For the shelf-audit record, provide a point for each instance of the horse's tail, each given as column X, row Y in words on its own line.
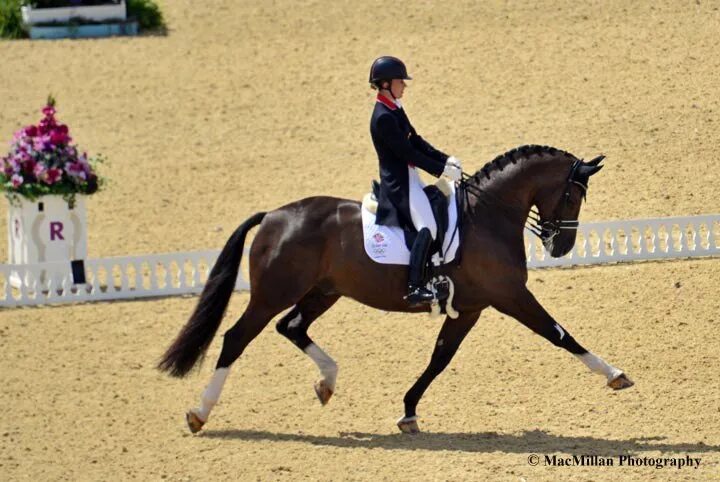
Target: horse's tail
column 191, row 344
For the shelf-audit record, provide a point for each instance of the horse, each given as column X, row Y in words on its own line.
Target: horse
column 308, row 254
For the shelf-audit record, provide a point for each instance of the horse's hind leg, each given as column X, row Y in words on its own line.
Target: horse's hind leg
column 236, row 339
column 527, row 310
column 294, row 326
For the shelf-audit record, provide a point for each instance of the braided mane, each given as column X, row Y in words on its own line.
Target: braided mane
column 514, row 155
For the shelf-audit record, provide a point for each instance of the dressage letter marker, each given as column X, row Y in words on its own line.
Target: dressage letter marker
column 47, row 231
column 56, row 228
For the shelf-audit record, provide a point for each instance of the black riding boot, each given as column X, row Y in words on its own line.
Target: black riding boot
column 417, row 292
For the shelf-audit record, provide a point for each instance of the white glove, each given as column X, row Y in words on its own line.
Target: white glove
column 455, row 162
column 452, row 172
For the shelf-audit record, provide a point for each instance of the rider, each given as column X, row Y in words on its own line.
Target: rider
column 401, row 150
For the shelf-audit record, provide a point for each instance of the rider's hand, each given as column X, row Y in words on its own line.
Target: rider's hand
column 454, row 161
column 452, row 172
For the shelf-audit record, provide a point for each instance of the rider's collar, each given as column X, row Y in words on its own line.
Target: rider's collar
column 392, row 105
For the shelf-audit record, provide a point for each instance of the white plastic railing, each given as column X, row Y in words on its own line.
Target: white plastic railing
column 125, row 277
column 640, row 239
column 157, row 275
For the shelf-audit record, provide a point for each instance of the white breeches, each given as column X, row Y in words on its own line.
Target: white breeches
column 420, row 210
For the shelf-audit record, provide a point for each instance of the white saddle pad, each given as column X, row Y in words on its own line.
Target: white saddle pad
column 386, row 244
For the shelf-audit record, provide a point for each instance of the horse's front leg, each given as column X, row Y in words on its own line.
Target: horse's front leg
column 522, row 305
column 451, row 335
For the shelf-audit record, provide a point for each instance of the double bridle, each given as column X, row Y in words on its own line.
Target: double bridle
column 546, row 230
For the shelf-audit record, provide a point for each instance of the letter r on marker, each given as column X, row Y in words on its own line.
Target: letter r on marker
column 56, row 228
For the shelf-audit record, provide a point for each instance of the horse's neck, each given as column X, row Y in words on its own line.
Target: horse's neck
column 518, row 183
column 508, row 191
column 511, row 191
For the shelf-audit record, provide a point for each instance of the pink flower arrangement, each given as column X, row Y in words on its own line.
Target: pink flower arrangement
column 43, row 161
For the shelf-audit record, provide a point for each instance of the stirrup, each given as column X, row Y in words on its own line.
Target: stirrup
column 419, row 294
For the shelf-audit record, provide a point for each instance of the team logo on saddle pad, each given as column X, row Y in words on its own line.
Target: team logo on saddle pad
column 379, row 245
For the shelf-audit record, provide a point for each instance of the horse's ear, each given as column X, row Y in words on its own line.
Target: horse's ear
column 596, row 161
column 587, row 170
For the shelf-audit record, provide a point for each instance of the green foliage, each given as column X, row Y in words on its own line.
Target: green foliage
column 11, row 24
column 147, row 13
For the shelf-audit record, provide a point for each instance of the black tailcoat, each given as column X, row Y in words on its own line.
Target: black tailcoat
column 398, row 145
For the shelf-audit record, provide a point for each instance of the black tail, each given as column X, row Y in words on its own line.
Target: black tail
column 191, row 344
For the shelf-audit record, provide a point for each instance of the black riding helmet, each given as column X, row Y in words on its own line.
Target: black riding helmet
column 387, row 68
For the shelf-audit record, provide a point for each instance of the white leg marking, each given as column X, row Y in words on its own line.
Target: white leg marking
column 404, row 419
column 598, row 365
column 211, row 395
column 295, row 322
column 560, row 330
column 327, row 365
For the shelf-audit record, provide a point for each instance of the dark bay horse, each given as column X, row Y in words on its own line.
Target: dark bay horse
column 309, row 253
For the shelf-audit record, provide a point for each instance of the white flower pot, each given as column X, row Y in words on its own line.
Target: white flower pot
column 46, row 230
column 98, row 13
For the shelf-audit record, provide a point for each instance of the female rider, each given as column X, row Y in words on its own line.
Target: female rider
column 401, row 151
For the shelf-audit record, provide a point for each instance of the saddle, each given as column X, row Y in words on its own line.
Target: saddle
column 392, row 244
column 438, row 196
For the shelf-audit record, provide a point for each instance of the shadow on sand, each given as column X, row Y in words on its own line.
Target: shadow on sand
column 536, row 441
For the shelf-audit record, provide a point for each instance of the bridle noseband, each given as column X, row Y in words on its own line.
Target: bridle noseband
column 546, row 230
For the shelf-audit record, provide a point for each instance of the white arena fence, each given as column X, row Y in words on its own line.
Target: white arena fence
column 634, row 240
column 148, row 276
column 117, row 278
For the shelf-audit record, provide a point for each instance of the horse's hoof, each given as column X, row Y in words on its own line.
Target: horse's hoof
column 193, row 421
column 621, row 381
column 323, row 391
column 408, row 425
